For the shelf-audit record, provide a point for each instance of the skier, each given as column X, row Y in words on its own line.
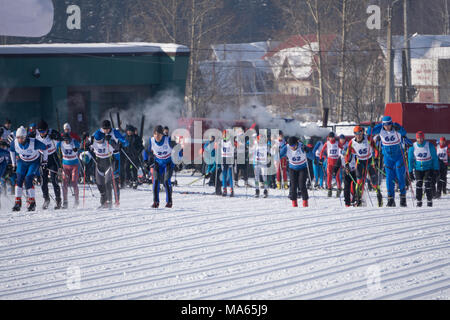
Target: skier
column 349, row 176
column 391, row 135
column 104, row 176
column 364, row 150
column 50, row 137
column 281, row 162
column 332, row 147
column 298, row 170
column 318, row 169
column 68, row 129
column 32, row 130
column 260, row 159
column 69, row 149
column 133, row 151
column 423, row 158
column 26, row 166
column 5, row 130
column 85, row 156
column 443, row 155
column 227, row 155
column 109, row 134
column 160, row 151
column 242, row 168
column 4, row 162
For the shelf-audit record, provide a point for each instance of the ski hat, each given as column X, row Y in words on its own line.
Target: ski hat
column 106, row 124
column 357, row 129
column 292, row 141
column 129, row 127
column 420, row 134
column 7, row 121
column 67, row 126
column 42, row 126
column 341, row 136
column 331, row 135
column 442, row 139
column 21, row 132
column 387, row 120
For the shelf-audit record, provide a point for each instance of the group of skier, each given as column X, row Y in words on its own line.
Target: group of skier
column 43, row 154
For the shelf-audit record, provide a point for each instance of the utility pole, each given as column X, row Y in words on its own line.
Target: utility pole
column 407, row 47
column 389, row 81
column 447, row 19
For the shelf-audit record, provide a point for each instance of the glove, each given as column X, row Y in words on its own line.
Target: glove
column 13, row 168
column 411, row 176
column 85, row 135
column 44, row 165
column 320, row 163
column 347, row 167
column 75, row 149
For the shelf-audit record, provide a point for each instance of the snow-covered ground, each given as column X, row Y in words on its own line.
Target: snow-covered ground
column 210, row 247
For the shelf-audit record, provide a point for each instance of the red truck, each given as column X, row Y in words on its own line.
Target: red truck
column 431, row 118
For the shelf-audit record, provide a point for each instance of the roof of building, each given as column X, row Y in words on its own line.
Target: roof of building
column 92, row 48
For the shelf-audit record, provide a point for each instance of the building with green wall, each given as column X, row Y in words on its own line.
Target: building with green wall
column 78, row 83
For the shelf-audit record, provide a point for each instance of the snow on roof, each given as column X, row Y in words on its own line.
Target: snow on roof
column 298, row 52
column 242, row 51
column 431, row 47
column 92, row 48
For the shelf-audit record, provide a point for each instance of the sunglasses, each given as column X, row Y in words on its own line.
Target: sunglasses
column 42, row 131
column 358, row 133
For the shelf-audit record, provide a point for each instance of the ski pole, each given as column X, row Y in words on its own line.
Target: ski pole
column 314, row 197
column 112, row 175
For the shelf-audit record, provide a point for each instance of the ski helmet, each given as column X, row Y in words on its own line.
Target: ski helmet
column 292, row 141
column 420, row 134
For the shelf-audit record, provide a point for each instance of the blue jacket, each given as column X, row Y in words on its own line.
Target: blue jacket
column 299, row 167
column 283, row 149
column 4, row 160
column 318, row 146
column 432, row 164
column 161, row 162
column 116, row 135
column 37, row 146
column 393, row 152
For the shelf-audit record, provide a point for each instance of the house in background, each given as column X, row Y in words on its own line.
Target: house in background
column 430, row 62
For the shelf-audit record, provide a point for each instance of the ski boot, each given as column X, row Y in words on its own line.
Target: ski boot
column 58, row 204
column 169, row 205
column 46, row 203
column 438, row 195
column 224, row 192
column 379, row 198
column 294, row 203
column 155, row 205
column 403, row 200
column 266, row 193
column 17, row 205
column 31, row 204
column 330, row 193
column 278, row 185
column 257, row 193
column 232, row 192
column 419, row 204
column 429, row 203
column 286, row 185
column 391, row 202
column 65, row 205
column 305, row 203
column 338, row 193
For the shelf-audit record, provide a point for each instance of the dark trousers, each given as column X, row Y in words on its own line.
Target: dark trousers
column 361, row 172
column 297, row 180
column 242, row 171
column 162, row 174
column 349, row 186
column 422, row 176
column 103, row 179
column 52, row 164
column 442, row 179
column 130, row 170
